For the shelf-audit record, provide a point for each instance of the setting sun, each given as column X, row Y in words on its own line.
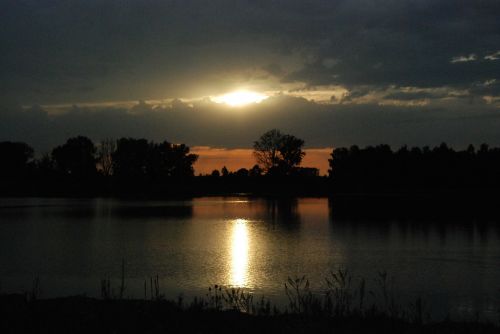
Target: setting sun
column 240, row 98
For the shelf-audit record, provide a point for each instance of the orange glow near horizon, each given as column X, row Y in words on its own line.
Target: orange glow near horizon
column 211, row 158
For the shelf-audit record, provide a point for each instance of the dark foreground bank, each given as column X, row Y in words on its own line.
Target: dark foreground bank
column 87, row 315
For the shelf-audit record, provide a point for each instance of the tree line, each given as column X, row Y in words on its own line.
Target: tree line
column 379, row 168
column 131, row 165
column 80, row 158
column 79, row 166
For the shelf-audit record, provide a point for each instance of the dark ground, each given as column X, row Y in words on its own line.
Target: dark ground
column 18, row 314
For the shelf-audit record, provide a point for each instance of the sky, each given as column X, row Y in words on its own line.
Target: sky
column 334, row 73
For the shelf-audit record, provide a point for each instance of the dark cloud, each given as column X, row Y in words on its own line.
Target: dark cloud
column 405, row 43
column 72, row 50
column 77, row 51
column 274, row 69
column 211, row 124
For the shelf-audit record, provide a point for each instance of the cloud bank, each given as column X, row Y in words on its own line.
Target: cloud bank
column 75, row 51
column 340, row 72
column 206, row 123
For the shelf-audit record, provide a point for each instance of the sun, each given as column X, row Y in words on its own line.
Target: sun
column 240, row 98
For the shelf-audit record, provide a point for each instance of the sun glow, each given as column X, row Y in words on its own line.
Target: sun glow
column 240, row 98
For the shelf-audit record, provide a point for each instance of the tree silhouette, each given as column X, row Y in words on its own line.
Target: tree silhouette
column 242, row 172
column 170, row 160
column 291, row 153
column 45, row 165
column 76, row 157
column 105, row 156
column 379, row 169
column 278, row 153
column 137, row 158
column 130, row 158
column 255, row 171
column 139, row 165
column 15, row 158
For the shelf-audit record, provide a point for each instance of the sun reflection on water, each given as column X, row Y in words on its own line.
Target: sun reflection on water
column 239, row 253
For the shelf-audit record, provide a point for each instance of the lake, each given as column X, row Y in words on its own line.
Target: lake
column 253, row 243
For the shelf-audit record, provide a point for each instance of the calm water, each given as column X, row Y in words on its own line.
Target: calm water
column 253, row 243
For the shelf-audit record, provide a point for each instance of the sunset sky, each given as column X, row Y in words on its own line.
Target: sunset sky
column 334, row 73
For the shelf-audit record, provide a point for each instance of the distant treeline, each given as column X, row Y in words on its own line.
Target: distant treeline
column 379, row 168
column 81, row 167
column 129, row 166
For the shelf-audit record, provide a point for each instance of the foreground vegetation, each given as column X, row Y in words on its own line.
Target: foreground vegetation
column 341, row 308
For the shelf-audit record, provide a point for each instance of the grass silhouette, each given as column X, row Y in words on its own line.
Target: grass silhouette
column 341, row 307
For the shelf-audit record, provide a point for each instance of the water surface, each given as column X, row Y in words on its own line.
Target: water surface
column 71, row 244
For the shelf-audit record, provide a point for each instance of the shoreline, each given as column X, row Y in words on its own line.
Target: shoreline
column 84, row 314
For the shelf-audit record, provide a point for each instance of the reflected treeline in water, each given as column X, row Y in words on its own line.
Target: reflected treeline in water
column 86, row 211
column 283, row 212
column 417, row 215
column 89, row 209
column 443, row 207
column 152, row 211
column 14, row 213
column 46, row 208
